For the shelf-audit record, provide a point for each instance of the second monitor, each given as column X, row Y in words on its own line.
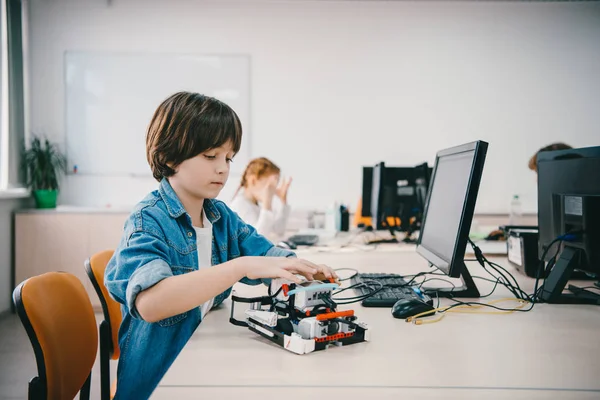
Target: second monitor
column 394, row 197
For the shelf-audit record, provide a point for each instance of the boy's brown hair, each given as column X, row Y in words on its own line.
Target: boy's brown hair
column 550, row 147
column 185, row 125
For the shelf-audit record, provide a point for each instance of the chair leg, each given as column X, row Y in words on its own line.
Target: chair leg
column 84, row 394
column 105, row 339
column 37, row 389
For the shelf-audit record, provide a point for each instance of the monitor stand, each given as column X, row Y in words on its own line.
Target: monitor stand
column 468, row 290
column 552, row 291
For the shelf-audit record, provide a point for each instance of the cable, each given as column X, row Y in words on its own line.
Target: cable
column 545, row 269
column 355, row 299
column 503, row 277
column 503, row 280
column 515, row 290
column 475, row 305
column 352, row 238
column 469, row 308
column 542, row 267
column 569, row 236
column 496, row 282
column 355, row 273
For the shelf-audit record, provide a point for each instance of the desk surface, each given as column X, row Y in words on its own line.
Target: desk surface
column 549, row 352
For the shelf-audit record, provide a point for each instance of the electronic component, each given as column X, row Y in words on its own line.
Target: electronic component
column 301, row 318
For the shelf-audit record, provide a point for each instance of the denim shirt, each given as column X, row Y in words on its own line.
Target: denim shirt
column 159, row 241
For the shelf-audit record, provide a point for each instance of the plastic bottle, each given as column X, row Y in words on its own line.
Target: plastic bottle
column 516, row 212
column 331, row 219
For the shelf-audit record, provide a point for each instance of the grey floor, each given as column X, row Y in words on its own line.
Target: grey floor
column 17, row 362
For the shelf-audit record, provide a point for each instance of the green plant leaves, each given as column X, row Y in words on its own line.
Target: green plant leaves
column 43, row 163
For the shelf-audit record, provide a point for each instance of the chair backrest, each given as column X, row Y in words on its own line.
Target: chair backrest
column 95, row 268
column 59, row 319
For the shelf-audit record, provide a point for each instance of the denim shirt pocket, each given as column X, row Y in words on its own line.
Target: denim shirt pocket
column 174, row 320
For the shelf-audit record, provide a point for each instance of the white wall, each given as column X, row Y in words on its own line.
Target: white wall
column 336, row 85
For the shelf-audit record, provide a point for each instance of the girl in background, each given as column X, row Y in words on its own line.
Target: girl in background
column 254, row 199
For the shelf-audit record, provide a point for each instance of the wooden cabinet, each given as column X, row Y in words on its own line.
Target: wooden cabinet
column 56, row 241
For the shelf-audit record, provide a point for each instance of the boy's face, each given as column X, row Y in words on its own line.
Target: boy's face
column 205, row 175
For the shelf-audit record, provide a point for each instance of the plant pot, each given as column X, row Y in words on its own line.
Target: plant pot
column 45, row 198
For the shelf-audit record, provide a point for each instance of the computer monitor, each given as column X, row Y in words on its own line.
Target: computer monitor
column 367, row 184
column 395, row 193
column 569, row 204
column 449, row 212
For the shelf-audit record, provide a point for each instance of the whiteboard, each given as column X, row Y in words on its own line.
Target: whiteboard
column 111, row 97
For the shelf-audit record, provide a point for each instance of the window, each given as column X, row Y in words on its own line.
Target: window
column 12, row 93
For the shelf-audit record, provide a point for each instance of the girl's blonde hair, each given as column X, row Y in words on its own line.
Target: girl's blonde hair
column 259, row 168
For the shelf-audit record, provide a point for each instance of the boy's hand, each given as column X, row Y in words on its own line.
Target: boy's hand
column 325, row 273
column 280, row 267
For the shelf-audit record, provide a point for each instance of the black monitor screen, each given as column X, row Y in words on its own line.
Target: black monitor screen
column 450, row 205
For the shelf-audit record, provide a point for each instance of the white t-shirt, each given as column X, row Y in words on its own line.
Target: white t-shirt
column 204, row 238
column 269, row 223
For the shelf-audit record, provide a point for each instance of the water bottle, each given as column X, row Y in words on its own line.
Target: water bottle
column 515, row 211
column 337, row 214
column 330, row 218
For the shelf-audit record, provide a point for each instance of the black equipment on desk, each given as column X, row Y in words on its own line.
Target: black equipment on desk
column 523, row 250
column 304, row 240
column 569, row 221
column 395, row 193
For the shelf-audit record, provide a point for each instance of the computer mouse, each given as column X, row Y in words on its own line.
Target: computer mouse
column 405, row 308
column 284, row 244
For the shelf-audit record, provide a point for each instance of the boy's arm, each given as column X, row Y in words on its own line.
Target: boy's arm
column 251, row 243
column 140, row 277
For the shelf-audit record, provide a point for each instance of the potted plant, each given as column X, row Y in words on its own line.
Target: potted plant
column 43, row 163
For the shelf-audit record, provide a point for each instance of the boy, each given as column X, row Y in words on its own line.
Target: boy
column 182, row 251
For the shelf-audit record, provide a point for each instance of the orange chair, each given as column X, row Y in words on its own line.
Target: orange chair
column 109, row 328
column 59, row 319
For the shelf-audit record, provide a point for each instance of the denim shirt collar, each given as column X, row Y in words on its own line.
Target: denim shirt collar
column 175, row 207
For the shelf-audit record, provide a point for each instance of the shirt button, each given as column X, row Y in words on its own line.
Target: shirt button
column 190, row 234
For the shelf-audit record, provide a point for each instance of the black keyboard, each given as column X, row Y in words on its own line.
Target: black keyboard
column 394, row 289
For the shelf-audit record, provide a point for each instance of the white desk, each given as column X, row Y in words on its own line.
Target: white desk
column 551, row 352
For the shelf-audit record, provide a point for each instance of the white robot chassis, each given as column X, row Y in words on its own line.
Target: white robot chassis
column 301, row 318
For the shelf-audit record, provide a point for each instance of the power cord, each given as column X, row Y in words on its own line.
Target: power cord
column 354, row 273
column 515, row 288
column 469, row 308
column 520, row 296
column 355, row 299
column 503, row 278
